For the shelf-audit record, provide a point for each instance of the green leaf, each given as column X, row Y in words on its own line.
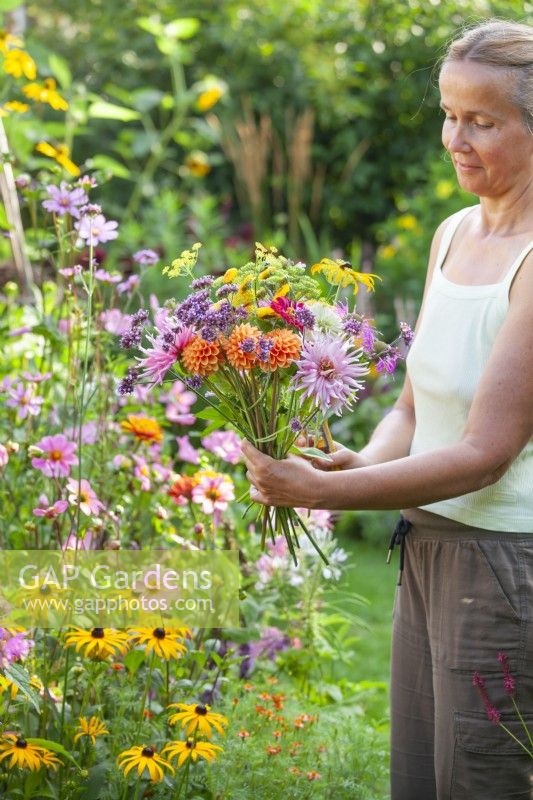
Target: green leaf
column 104, row 110
column 133, row 660
column 311, row 452
column 21, row 679
column 55, row 746
column 183, row 28
column 9, row 5
column 109, row 164
column 60, row 70
column 211, row 414
column 150, row 25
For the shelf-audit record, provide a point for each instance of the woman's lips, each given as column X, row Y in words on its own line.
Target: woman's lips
column 466, row 167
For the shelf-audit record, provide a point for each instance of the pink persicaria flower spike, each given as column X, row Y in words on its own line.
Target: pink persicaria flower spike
column 62, row 200
column 44, row 509
column 86, row 497
column 327, row 372
column 57, row 458
column 94, row 229
column 493, row 715
column 25, row 399
column 509, row 683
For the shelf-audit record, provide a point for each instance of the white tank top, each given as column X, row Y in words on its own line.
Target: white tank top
column 447, row 358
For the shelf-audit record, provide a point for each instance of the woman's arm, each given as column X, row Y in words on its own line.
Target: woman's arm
column 499, row 426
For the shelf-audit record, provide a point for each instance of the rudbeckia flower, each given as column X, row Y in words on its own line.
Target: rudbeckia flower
column 182, row 750
column 197, row 718
column 98, row 642
column 92, row 728
column 341, row 273
column 61, row 154
column 144, row 758
column 17, row 752
column 164, row 642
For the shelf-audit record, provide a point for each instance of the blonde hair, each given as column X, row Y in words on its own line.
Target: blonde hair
column 499, row 43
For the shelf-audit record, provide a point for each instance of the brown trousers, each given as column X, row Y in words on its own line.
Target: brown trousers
column 466, row 595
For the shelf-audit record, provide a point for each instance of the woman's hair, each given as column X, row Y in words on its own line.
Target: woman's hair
column 499, row 43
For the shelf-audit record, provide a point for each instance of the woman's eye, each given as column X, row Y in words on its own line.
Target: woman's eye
column 483, row 126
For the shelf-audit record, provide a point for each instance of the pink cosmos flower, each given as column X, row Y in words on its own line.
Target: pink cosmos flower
column 89, row 432
column 106, row 277
column 4, row 456
column 142, row 471
column 327, row 372
column 64, row 200
column 179, row 401
column 127, row 286
column 44, row 509
column 25, row 399
column 186, row 451
column 36, row 377
column 86, row 542
column 225, row 444
column 69, row 272
column 83, row 494
column 58, row 456
column 160, row 357
column 213, row 491
column 96, row 229
column 114, row 321
column 146, row 257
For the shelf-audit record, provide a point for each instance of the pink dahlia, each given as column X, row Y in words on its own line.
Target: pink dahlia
column 164, row 352
column 57, row 457
column 327, row 372
column 81, row 492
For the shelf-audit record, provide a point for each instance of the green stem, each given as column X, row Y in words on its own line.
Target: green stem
column 145, row 695
column 522, row 745
column 521, row 718
column 64, row 700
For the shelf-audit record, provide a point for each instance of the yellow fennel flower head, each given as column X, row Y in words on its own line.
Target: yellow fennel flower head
column 197, row 164
column 210, row 96
column 182, row 750
column 98, row 642
column 61, row 154
column 341, row 273
column 92, row 728
column 144, row 758
column 184, row 264
column 7, row 40
column 46, row 92
column 16, row 106
column 197, row 717
column 407, row 222
column 19, row 63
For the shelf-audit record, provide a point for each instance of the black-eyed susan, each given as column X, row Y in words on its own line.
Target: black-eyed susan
column 18, row 63
column 92, row 728
column 98, row 642
column 341, row 273
column 17, row 752
column 164, row 642
column 182, row 750
column 6, row 684
column 46, row 92
column 61, row 154
column 197, row 718
column 144, row 757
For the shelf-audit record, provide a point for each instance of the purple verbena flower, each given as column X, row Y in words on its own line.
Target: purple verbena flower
column 228, row 288
column 127, row 384
column 202, row 283
column 295, row 425
column 64, row 200
column 146, row 257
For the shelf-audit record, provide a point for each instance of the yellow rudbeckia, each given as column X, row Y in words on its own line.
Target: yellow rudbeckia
column 197, row 717
column 144, row 758
column 61, row 154
column 92, row 728
column 191, row 749
column 341, row 273
column 46, row 92
column 19, row 63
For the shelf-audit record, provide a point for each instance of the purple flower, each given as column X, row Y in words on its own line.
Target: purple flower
column 407, row 333
column 327, row 372
column 25, row 399
column 186, row 451
column 295, row 425
column 64, row 200
column 202, row 283
column 146, row 257
column 89, row 432
column 127, row 384
column 164, row 352
column 225, row 444
column 272, row 641
column 127, row 286
column 509, row 683
column 69, row 272
column 44, row 509
column 114, row 321
column 492, row 712
column 13, row 646
column 106, row 277
column 388, row 361
column 96, row 229
column 229, row 288
column 57, row 457
column 4, row 456
column 36, row 377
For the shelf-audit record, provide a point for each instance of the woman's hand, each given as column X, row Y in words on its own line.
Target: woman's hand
column 341, row 458
column 292, row 481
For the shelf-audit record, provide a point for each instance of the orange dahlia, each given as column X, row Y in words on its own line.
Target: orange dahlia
column 143, row 428
column 241, row 346
column 284, row 351
column 181, row 489
column 200, row 357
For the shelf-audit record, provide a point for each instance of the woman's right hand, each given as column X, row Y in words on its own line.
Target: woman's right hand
column 341, row 458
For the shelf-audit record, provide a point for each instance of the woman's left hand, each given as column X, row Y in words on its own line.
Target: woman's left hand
column 292, row 482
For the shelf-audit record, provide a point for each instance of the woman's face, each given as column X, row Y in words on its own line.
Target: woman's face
column 491, row 148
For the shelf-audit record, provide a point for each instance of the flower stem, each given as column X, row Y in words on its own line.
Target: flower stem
column 522, row 745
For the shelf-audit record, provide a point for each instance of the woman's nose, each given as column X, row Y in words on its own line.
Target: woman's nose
column 458, row 142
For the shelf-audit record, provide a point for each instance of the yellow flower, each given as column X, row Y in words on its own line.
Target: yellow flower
column 98, row 642
column 387, row 251
column 18, row 63
column 407, row 222
column 145, row 429
column 197, row 718
column 61, row 154
column 230, row 275
column 16, row 106
column 191, row 749
column 7, row 683
column 444, row 189
column 184, row 264
column 92, row 727
column 46, row 92
column 144, row 758
column 22, row 754
column 164, row 642
column 7, row 40
column 209, row 98
column 341, row 273
column 198, row 164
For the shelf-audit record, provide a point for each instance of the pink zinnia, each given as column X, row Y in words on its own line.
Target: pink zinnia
column 213, row 491
column 327, row 372
column 162, row 355
column 81, row 492
column 58, row 456
column 44, row 509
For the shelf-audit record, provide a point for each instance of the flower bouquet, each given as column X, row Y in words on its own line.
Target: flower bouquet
column 272, row 349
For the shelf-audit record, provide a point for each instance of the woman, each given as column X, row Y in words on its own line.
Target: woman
column 456, row 451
